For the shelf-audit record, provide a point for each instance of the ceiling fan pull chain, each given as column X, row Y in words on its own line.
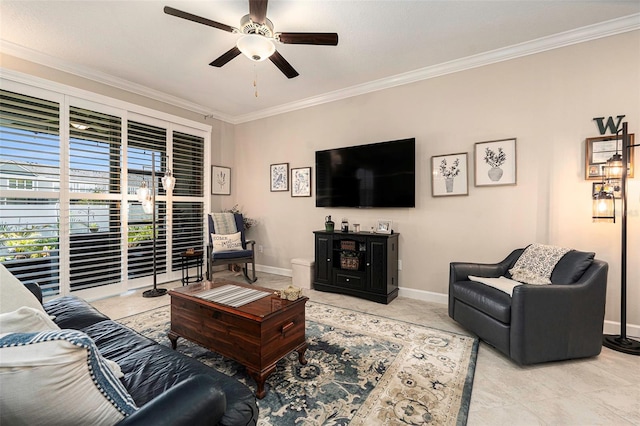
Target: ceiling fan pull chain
column 255, row 80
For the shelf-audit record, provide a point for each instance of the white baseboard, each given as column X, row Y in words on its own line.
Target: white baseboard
column 613, row 327
column 273, row 270
column 427, row 296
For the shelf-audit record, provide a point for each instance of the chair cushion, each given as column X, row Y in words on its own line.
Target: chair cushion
column 235, row 254
column 491, row 301
column 226, row 242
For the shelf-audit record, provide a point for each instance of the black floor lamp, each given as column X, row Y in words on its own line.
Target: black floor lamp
column 620, row 342
column 148, row 198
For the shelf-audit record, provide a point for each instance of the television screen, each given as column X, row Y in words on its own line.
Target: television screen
column 374, row 175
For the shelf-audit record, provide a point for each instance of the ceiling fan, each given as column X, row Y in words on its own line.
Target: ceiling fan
column 257, row 43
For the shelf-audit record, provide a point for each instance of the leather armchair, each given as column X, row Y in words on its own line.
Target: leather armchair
column 538, row 323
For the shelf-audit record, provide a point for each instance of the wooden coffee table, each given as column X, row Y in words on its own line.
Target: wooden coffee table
column 257, row 335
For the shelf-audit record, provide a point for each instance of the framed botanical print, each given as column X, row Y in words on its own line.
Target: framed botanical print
column 220, row 180
column 449, row 175
column 301, row 182
column 495, row 162
column 279, row 177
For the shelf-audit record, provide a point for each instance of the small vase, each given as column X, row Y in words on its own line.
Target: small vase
column 495, row 173
column 448, row 182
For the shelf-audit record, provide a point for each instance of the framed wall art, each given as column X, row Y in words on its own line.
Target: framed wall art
column 220, row 180
column 279, row 177
column 599, row 150
column 301, row 182
column 495, row 162
column 449, row 175
column 616, row 189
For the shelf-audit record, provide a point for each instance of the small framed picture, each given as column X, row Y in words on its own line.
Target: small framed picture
column 301, row 182
column 614, row 188
column 495, row 162
column 449, row 175
column 383, row 227
column 280, row 177
column 599, row 150
column 220, row 180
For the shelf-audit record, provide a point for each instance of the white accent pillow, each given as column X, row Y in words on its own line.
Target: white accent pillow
column 500, row 283
column 226, row 242
column 13, row 294
column 26, row 320
column 58, row 377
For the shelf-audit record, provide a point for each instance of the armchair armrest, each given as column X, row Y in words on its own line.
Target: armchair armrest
column 550, row 322
column 252, row 242
column 194, row 402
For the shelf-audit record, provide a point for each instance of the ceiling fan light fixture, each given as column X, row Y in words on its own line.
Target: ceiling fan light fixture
column 256, row 47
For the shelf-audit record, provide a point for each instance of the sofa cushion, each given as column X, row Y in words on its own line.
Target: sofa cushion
column 13, row 294
column 491, row 301
column 571, row 267
column 58, row 376
column 71, row 312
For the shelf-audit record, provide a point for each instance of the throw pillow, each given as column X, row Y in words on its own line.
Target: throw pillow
column 29, row 320
column 58, row 376
column 226, row 242
column 13, row 294
column 26, row 320
column 536, row 263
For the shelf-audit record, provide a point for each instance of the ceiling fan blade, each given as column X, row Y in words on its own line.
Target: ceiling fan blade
column 283, row 65
column 325, row 39
column 194, row 18
column 258, row 11
column 225, row 57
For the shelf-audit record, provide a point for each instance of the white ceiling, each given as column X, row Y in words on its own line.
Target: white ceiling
column 134, row 45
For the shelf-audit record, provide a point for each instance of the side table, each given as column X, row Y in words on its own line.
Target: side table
column 188, row 258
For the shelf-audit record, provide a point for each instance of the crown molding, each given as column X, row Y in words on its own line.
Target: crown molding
column 103, row 78
column 556, row 41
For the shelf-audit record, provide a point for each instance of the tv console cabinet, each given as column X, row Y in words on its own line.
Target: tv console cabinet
column 360, row 264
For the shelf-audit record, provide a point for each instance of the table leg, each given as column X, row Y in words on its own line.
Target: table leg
column 301, row 350
column 173, row 337
column 260, row 378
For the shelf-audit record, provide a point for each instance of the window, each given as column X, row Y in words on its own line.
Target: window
column 68, row 211
column 20, row 184
column 29, row 223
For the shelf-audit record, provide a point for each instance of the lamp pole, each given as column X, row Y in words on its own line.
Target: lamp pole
column 155, row 291
column 621, row 342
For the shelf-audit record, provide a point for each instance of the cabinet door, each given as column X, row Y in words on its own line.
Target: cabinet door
column 323, row 259
column 377, row 263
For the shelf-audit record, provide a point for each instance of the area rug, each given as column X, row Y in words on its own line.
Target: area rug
column 362, row 369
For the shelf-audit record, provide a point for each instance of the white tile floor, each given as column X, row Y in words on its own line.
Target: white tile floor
column 604, row 390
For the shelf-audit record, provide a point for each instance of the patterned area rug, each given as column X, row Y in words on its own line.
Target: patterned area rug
column 362, row 369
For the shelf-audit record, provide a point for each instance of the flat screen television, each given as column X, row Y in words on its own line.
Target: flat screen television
column 374, row 175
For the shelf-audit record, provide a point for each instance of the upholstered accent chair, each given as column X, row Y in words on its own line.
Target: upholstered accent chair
column 229, row 245
column 535, row 323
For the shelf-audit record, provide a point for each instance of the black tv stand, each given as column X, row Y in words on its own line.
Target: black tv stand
column 360, row 264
